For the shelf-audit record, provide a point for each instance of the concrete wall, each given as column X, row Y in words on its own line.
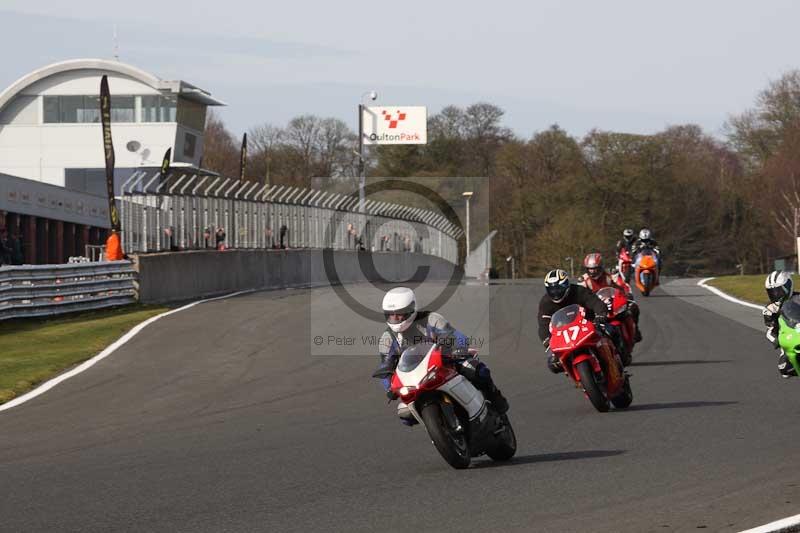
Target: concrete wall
column 180, row 276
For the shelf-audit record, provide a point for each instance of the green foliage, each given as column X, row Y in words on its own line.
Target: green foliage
column 748, row 288
column 35, row 350
column 712, row 206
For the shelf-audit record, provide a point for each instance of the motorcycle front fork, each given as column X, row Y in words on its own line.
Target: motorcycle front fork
column 449, row 413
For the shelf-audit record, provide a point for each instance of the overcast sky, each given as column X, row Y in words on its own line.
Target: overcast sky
column 622, row 65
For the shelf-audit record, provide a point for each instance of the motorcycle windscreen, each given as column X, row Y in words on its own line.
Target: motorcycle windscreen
column 791, row 312
column 413, row 356
column 606, row 294
column 646, row 253
column 566, row 316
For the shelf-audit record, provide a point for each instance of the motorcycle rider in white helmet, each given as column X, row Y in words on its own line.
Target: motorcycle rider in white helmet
column 646, row 240
column 406, row 327
column 779, row 289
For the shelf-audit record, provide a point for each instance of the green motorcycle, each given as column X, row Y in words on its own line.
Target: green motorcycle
column 789, row 331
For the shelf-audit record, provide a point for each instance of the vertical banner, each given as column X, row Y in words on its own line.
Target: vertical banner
column 243, row 158
column 108, row 147
column 165, row 163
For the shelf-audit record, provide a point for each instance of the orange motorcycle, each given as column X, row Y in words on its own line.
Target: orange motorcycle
column 646, row 271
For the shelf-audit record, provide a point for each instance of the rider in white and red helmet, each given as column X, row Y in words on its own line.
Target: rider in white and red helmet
column 597, row 278
column 406, row 326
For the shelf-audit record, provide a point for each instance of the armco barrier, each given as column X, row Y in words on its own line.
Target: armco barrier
column 43, row 290
column 170, row 277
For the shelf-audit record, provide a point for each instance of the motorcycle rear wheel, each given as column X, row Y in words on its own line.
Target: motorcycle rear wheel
column 626, row 357
column 505, row 443
column 591, row 387
column 452, row 446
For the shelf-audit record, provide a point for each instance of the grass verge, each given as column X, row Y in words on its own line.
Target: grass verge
column 748, row 288
column 34, row 350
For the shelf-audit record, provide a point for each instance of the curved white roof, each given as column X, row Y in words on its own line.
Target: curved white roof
column 185, row 89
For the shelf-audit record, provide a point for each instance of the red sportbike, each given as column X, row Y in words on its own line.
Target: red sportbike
column 619, row 316
column 625, row 264
column 589, row 358
column 460, row 421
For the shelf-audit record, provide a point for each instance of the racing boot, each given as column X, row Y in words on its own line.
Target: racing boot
column 483, row 382
column 637, row 337
column 496, row 397
column 785, row 367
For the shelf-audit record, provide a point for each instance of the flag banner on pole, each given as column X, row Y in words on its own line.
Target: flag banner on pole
column 165, row 163
column 108, row 147
column 243, row 158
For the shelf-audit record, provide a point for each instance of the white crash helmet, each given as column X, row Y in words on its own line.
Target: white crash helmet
column 778, row 285
column 400, row 308
column 645, row 234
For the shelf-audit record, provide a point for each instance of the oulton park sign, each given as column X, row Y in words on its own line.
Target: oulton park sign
column 395, row 125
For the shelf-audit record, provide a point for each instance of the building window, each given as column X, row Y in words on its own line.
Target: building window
column 91, row 109
column 158, row 108
column 123, row 109
column 68, row 108
column 189, row 144
column 51, row 110
column 86, row 109
column 191, row 114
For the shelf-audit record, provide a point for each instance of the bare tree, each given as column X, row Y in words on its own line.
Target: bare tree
column 220, row 152
column 265, row 140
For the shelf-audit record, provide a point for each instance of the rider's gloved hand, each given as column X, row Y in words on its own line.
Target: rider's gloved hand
column 601, row 323
column 460, row 353
column 391, row 395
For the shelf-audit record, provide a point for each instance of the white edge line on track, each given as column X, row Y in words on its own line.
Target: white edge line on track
column 702, row 283
column 47, row 385
column 787, row 524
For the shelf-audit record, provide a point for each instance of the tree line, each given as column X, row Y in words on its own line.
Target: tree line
column 715, row 205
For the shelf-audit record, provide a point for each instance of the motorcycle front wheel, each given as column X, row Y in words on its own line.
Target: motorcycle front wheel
column 647, row 283
column 590, row 386
column 625, row 398
column 452, row 445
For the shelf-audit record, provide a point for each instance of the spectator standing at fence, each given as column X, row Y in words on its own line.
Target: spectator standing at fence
column 169, row 239
column 220, row 238
column 206, row 237
column 270, row 240
column 283, row 232
column 113, row 247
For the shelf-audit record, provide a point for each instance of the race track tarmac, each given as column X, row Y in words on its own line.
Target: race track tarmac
column 228, row 417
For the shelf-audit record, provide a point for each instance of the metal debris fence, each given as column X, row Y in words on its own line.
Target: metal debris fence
column 185, row 212
column 44, row 290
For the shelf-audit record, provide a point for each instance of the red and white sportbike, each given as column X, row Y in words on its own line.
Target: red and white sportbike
column 459, row 420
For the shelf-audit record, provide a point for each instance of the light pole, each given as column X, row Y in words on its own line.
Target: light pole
column 510, row 259
column 571, row 267
column 467, row 195
column 362, row 175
